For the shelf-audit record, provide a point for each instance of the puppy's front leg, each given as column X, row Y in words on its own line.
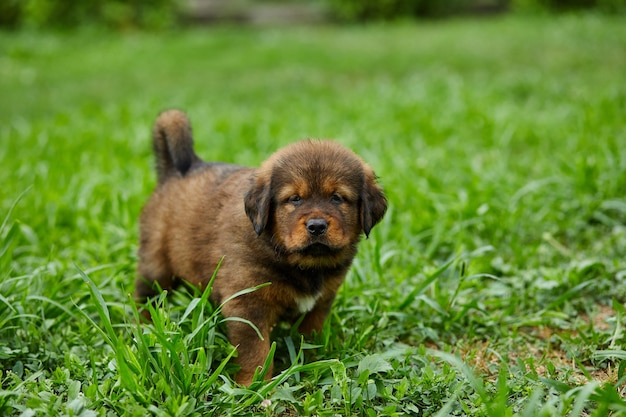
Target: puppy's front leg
column 314, row 320
column 252, row 351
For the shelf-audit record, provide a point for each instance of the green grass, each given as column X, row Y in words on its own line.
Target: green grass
column 495, row 286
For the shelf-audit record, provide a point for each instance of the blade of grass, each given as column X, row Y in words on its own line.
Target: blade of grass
column 408, row 300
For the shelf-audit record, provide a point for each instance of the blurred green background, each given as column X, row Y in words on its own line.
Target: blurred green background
column 155, row 14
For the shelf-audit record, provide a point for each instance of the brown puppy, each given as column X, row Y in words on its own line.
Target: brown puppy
column 294, row 222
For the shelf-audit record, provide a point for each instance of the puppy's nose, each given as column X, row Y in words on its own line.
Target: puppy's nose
column 316, row 227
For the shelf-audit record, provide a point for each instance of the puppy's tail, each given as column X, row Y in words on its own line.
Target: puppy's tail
column 173, row 145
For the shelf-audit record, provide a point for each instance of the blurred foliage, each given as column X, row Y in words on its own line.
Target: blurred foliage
column 534, row 6
column 117, row 14
column 359, row 10
column 393, row 9
column 158, row 14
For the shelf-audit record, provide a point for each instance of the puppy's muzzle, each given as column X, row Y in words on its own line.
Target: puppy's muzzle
column 316, row 227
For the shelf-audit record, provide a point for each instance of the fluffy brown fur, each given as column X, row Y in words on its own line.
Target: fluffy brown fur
column 294, row 222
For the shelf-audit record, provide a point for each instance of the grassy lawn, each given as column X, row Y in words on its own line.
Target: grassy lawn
column 495, row 286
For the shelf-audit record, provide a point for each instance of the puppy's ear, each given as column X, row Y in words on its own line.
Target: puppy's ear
column 373, row 202
column 257, row 204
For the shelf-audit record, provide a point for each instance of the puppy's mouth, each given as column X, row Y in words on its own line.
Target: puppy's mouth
column 318, row 249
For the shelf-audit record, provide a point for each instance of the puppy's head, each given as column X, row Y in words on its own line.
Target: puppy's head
column 316, row 198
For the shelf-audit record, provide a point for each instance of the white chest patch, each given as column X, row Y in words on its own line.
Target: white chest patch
column 306, row 303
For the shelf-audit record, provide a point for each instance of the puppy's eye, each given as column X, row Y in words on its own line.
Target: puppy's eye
column 336, row 199
column 296, row 200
